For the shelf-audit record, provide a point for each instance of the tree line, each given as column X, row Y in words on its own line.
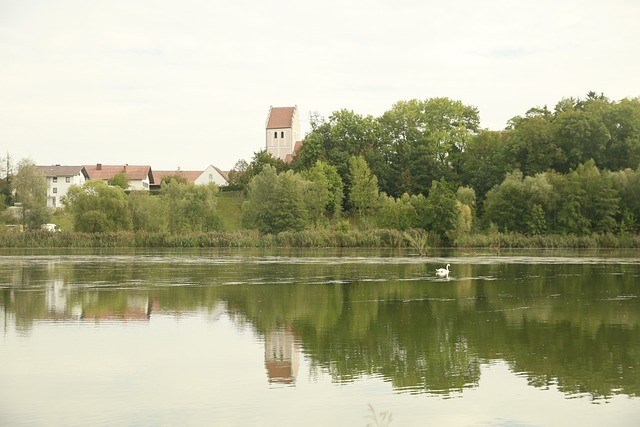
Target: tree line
column 423, row 164
column 427, row 164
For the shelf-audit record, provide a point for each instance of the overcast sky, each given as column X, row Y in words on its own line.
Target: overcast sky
column 189, row 83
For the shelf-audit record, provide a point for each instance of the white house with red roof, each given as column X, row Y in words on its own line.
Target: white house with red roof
column 282, row 132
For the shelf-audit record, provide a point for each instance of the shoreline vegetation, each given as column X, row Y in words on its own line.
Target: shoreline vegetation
column 314, row 238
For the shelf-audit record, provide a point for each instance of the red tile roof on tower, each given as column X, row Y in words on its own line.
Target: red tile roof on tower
column 280, row 117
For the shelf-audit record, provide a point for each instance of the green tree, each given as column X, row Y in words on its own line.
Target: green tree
column 335, row 140
column 6, row 180
column 506, row 204
column 31, row 192
column 148, row 212
column 627, row 183
column 276, row 202
column 97, row 207
column 325, row 191
column 190, row 207
column 581, row 135
column 120, row 180
column 441, row 213
column 424, row 141
column 531, row 147
column 398, row 214
column 242, row 178
column 622, row 120
column 484, row 162
column 601, row 202
column 363, row 190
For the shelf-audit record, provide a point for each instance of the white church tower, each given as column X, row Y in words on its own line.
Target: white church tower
column 283, row 132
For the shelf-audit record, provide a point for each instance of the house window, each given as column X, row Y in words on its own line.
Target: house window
column 67, row 179
column 275, row 134
column 281, row 134
column 55, row 179
column 55, row 189
column 210, row 177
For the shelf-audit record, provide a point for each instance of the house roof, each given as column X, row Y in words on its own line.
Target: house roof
column 57, row 170
column 280, row 117
column 190, row 176
column 224, row 174
column 106, row 172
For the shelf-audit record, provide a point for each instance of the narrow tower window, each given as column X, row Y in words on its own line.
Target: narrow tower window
column 275, row 134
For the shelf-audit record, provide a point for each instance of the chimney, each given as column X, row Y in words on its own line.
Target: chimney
column 99, row 167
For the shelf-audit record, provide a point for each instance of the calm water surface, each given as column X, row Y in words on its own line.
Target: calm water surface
column 318, row 338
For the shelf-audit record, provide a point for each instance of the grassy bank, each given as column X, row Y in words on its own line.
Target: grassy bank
column 321, row 238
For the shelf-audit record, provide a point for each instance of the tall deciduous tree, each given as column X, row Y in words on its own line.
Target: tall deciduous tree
column 31, row 192
column 423, row 141
column 441, row 212
column 363, row 186
column 531, row 148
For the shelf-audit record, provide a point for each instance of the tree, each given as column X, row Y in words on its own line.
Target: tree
column 423, row 141
column 276, row 202
column 441, row 213
column 335, row 140
column 97, row 207
column 363, row 190
column 148, row 212
column 530, row 146
column 6, row 180
column 190, row 207
column 483, row 163
column 260, row 160
column 326, row 185
column 31, row 192
column 622, row 120
column 398, row 214
column 506, row 204
column 601, row 201
column 236, row 173
column 119, row 180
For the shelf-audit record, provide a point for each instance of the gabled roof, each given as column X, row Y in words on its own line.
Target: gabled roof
column 190, row 176
column 57, row 170
column 280, row 117
column 224, row 174
column 106, row 172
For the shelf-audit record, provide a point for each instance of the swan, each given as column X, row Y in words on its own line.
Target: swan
column 443, row 272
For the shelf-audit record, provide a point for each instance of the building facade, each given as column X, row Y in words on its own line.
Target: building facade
column 59, row 179
column 282, row 132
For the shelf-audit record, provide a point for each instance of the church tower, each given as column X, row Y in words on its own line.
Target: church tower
column 282, row 132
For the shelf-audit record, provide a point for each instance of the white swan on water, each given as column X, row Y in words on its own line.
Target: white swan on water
column 443, row 272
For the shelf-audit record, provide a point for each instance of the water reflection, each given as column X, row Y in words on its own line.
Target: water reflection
column 281, row 356
column 571, row 325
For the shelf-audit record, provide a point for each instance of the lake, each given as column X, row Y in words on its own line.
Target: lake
column 318, row 338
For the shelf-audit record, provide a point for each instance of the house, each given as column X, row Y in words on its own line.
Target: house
column 209, row 175
column 140, row 177
column 282, row 132
column 59, row 179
